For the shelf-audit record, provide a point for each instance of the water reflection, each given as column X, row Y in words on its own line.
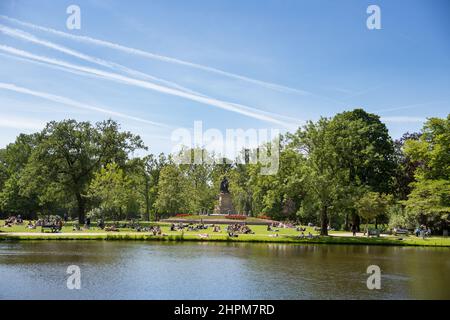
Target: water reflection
column 145, row 270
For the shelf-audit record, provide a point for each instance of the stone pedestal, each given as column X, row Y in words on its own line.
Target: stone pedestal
column 225, row 205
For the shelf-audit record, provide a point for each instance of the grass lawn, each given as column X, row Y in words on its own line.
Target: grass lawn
column 223, row 217
column 285, row 235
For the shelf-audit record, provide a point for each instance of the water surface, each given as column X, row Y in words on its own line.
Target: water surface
column 150, row 270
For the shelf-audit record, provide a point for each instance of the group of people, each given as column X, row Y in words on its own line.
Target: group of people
column 13, row 220
column 422, row 231
column 189, row 227
column 237, row 228
column 17, row 220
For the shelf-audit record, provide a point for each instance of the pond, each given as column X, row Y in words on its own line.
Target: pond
column 153, row 270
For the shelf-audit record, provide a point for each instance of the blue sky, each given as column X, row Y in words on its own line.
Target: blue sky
column 231, row 64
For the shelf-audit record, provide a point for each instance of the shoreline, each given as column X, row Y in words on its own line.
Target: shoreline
column 334, row 240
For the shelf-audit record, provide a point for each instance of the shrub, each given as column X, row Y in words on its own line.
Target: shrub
column 182, row 215
column 236, row 217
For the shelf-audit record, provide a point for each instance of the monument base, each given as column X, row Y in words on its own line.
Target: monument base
column 225, row 205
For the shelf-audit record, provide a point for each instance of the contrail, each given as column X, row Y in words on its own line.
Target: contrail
column 248, row 111
column 73, row 103
column 411, row 106
column 403, row 119
column 16, row 33
column 154, row 56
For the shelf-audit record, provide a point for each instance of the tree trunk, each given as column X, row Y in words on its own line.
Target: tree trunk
column 324, row 221
column 346, row 226
column 356, row 221
column 81, row 208
column 147, row 200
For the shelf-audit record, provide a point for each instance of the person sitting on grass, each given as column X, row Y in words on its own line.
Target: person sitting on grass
column 111, row 228
column 87, row 223
column 59, row 224
column 310, row 236
column 31, row 225
column 269, row 228
column 101, row 224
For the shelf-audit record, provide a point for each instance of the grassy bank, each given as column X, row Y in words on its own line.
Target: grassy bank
column 261, row 235
column 410, row 241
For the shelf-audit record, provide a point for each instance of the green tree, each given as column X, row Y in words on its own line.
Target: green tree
column 321, row 173
column 114, row 190
column 429, row 202
column 371, row 205
column 145, row 173
column 429, row 199
column 69, row 153
column 173, row 191
column 362, row 146
column 13, row 160
column 199, row 175
column 432, row 149
column 406, row 167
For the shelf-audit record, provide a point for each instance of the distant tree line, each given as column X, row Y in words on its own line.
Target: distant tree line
column 340, row 172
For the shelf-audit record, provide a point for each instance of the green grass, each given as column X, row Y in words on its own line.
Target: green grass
column 223, row 217
column 285, row 235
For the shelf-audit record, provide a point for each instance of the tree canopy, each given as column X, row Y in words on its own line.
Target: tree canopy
column 332, row 172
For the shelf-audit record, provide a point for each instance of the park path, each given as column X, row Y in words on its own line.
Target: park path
column 53, row 234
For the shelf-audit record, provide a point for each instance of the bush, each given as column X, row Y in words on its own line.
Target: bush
column 236, row 217
column 398, row 217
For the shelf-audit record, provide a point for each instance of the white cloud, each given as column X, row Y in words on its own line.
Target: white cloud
column 22, row 123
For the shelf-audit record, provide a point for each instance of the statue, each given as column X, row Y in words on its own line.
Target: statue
column 224, row 185
column 225, row 203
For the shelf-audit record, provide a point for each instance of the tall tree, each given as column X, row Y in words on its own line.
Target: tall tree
column 371, row 205
column 13, row 160
column 145, row 172
column 114, row 190
column 429, row 199
column 363, row 147
column 405, row 168
column 70, row 152
column 320, row 171
column 173, row 191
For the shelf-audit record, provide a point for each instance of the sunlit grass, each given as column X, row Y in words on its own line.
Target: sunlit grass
column 284, row 235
